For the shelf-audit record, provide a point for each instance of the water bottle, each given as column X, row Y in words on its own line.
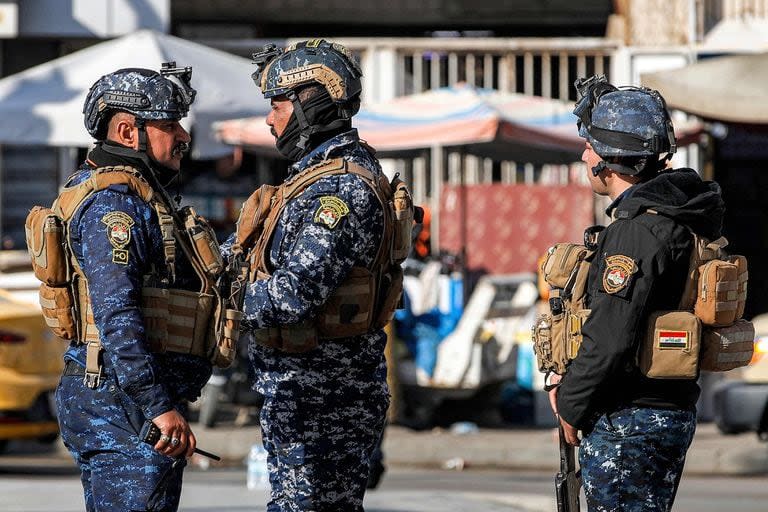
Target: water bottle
column 258, row 474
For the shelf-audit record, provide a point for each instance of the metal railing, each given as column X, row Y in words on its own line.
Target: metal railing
column 535, row 66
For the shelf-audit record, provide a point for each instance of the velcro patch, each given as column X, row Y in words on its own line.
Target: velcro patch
column 618, row 272
column 118, row 228
column 331, row 211
column 676, row 340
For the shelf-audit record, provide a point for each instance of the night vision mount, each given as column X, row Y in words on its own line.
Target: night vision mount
column 262, row 58
column 181, row 77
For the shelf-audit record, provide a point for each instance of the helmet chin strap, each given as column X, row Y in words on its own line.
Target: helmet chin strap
column 305, row 130
column 141, row 125
column 619, row 168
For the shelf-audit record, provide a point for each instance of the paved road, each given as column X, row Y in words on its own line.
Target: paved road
column 40, row 483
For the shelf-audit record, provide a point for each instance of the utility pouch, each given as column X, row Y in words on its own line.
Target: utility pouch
column 718, row 297
column 726, row 348
column 44, row 232
column 349, row 311
column 203, row 241
column 390, row 291
column 403, row 221
column 226, row 338
column 670, row 349
column 560, row 262
column 58, row 310
column 574, row 337
column 549, row 343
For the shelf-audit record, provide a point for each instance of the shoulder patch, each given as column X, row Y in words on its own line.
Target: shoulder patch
column 331, row 211
column 119, row 234
column 618, row 272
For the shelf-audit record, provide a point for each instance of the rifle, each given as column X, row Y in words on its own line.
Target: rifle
column 568, row 479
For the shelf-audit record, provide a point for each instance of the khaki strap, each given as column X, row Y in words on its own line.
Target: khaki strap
column 730, row 305
column 168, row 230
column 297, row 185
column 734, row 357
column 726, row 286
column 51, row 322
column 93, row 368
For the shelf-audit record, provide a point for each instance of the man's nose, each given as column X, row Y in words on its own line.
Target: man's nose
column 184, row 134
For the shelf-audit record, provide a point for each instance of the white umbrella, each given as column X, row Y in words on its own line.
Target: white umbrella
column 43, row 105
column 730, row 89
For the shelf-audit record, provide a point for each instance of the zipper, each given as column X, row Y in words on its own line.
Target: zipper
column 704, row 271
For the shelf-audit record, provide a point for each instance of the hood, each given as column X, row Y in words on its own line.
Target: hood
column 682, row 195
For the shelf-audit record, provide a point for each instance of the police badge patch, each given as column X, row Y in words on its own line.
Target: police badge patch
column 119, row 234
column 330, row 212
column 618, row 273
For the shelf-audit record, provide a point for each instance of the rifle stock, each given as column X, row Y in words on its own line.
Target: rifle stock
column 568, row 479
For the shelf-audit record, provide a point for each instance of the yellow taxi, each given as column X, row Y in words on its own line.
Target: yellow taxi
column 30, row 356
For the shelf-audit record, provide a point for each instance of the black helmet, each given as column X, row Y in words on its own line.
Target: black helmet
column 145, row 93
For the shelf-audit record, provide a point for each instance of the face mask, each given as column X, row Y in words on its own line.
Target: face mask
column 323, row 118
column 287, row 142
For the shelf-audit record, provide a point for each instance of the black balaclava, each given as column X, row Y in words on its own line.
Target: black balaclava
column 323, row 122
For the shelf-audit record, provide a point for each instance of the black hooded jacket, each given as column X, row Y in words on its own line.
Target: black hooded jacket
column 604, row 376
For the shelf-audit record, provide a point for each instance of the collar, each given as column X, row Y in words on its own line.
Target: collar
column 100, row 158
column 615, row 204
column 331, row 148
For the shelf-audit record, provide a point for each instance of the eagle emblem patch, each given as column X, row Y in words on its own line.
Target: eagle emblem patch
column 119, row 234
column 618, row 272
column 331, row 211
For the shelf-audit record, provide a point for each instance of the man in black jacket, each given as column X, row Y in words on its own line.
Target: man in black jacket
column 635, row 430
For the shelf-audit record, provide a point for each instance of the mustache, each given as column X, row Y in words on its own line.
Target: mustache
column 180, row 149
column 273, row 132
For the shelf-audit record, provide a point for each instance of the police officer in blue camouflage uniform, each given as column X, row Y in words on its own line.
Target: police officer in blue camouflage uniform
column 324, row 408
column 635, row 430
column 116, row 238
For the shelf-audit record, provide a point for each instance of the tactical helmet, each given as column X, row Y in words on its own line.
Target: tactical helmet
column 145, row 93
column 315, row 61
column 621, row 122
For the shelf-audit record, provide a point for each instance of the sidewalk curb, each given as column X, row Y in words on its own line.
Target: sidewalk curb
column 511, row 449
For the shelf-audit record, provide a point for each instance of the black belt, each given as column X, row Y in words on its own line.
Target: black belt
column 73, row 369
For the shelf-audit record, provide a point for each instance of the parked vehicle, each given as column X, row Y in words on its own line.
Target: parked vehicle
column 739, row 403
column 30, row 356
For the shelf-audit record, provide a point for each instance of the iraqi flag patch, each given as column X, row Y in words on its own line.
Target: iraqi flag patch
column 618, row 273
column 331, row 211
column 119, row 234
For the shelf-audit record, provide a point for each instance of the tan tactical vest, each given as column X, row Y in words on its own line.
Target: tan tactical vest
column 175, row 320
column 706, row 332
column 367, row 299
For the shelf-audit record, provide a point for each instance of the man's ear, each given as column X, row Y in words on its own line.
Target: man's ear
column 124, row 132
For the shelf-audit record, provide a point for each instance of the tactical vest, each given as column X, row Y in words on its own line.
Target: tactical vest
column 706, row 332
column 557, row 334
column 368, row 297
column 175, row 320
